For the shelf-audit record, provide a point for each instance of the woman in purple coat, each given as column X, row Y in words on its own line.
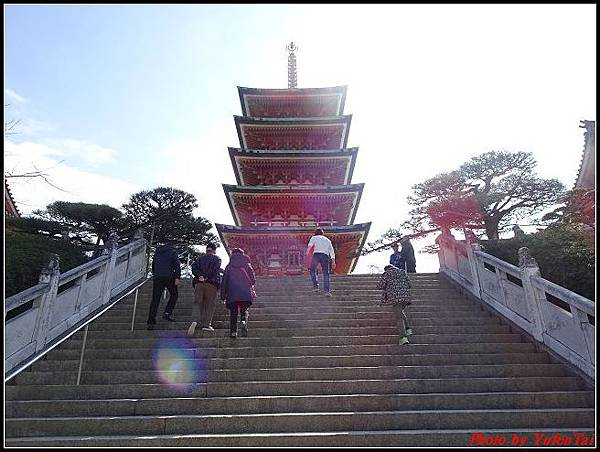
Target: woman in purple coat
column 237, row 289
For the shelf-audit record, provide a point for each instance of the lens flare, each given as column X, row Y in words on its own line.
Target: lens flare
column 176, row 365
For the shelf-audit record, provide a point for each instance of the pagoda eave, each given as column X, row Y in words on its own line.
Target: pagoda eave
column 349, row 237
column 240, row 156
column 262, row 193
column 304, row 133
column 332, row 100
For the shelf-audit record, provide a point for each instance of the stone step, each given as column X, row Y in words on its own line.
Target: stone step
column 306, row 422
column 285, row 312
column 301, row 361
column 116, row 323
column 255, row 352
column 388, row 317
column 285, row 388
column 142, row 333
column 282, row 310
column 297, row 404
column 261, row 316
column 358, row 438
column 298, row 341
column 337, row 295
column 414, row 321
column 304, row 302
column 195, row 373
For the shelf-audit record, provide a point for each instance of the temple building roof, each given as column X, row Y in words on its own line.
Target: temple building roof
column 270, row 167
column 337, row 204
column 292, row 102
column 586, row 177
column 10, row 208
column 293, row 133
column 347, row 240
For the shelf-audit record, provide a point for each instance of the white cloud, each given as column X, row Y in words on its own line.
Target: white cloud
column 11, row 95
column 87, row 152
column 77, row 185
column 29, row 127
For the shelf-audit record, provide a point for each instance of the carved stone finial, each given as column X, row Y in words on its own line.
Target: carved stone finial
column 292, row 71
column 112, row 242
column 525, row 258
column 52, row 268
column 470, row 236
column 518, row 231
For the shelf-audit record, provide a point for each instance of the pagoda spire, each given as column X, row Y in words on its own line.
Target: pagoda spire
column 292, row 72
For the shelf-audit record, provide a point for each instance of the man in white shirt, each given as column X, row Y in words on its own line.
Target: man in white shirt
column 322, row 253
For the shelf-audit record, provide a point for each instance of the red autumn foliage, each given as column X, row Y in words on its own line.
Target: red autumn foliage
column 456, row 212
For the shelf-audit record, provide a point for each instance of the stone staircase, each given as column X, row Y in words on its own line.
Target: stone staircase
column 312, row 372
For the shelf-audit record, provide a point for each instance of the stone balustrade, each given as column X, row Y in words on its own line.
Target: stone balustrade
column 562, row 320
column 41, row 315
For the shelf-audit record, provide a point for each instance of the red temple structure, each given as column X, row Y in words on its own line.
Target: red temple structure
column 293, row 171
column 10, row 208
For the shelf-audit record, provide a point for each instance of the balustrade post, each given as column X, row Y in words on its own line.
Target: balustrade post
column 582, row 322
column 441, row 256
column 111, row 250
column 444, row 242
column 50, row 275
column 474, row 264
column 528, row 267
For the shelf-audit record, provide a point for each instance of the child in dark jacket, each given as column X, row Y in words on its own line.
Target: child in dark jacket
column 237, row 290
column 396, row 291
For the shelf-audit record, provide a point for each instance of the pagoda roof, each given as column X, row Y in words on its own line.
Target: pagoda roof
column 239, row 157
column 293, row 133
column 300, row 102
column 310, row 197
column 351, row 238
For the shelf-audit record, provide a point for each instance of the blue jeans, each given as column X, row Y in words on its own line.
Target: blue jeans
column 323, row 259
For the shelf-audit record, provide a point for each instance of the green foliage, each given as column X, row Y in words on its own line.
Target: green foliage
column 564, row 252
column 503, row 183
column 30, row 225
column 85, row 222
column 166, row 214
column 26, row 255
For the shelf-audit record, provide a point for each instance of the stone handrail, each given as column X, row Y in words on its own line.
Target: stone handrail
column 562, row 320
column 61, row 302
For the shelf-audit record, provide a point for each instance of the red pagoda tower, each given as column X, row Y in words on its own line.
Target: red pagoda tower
column 293, row 172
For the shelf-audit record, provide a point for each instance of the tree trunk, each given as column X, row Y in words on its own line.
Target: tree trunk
column 491, row 228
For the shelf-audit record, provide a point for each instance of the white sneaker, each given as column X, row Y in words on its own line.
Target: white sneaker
column 328, row 294
column 316, row 290
column 192, row 329
column 403, row 340
column 207, row 328
column 409, row 332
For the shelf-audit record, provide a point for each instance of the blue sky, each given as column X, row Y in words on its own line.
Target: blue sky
column 115, row 99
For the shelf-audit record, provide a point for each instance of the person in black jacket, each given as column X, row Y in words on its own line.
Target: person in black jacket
column 396, row 258
column 408, row 254
column 207, row 279
column 166, row 273
column 237, row 289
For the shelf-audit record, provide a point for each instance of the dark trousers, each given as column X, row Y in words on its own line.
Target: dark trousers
column 159, row 283
column 402, row 320
column 411, row 267
column 233, row 317
column 323, row 259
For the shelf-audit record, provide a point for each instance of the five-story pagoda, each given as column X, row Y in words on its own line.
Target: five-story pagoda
column 293, row 172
